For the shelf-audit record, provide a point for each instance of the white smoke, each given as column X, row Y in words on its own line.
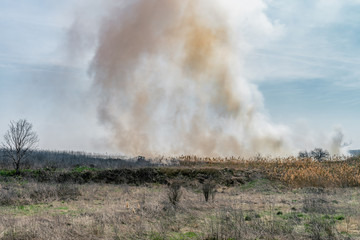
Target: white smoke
column 170, row 78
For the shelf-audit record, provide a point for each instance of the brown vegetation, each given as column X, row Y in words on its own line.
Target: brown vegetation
column 250, row 211
column 259, row 199
column 295, row 172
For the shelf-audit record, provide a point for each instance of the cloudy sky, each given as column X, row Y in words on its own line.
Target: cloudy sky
column 307, row 70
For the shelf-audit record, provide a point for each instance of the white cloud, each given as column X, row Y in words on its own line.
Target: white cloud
column 319, row 41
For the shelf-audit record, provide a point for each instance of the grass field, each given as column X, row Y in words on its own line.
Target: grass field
column 247, row 199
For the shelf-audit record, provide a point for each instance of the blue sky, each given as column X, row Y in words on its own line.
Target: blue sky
column 38, row 82
column 308, row 75
column 311, row 73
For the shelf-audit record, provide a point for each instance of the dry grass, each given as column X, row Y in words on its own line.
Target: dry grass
column 144, row 212
column 20, row 193
column 296, row 172
column 319, row 204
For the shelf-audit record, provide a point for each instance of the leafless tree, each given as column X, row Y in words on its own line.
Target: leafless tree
column 320, row 154
column 304, row 154
column 19, row 140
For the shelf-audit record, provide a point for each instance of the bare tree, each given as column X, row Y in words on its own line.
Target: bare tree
column 19, row 140
column 304, row 154
column 320, row 154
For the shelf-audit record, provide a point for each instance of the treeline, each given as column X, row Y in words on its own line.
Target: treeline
column 355, row 152
column 70, row 159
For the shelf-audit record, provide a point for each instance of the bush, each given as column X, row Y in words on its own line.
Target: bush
column 320, row 154
column 7, row 196
column 304, row 154
column 67, row 191
column 321, row 229
column 174, row 193
column 314, row 203
column 208, row 189
column 235, row 224
column 33, row 193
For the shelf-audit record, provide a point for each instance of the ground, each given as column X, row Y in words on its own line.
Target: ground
column 256, row 210
column 248, row 204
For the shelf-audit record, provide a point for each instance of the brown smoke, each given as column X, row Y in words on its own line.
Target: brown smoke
column 166, row 72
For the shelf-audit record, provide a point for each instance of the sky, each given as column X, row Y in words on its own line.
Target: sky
column 306, row 68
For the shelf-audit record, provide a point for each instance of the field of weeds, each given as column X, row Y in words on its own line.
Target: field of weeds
column 295, row 172
column 197, row 199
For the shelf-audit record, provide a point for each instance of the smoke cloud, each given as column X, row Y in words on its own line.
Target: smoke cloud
column 167, row 73
column 170, row 79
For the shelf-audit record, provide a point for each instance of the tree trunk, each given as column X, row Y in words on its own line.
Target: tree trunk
column 17, row 168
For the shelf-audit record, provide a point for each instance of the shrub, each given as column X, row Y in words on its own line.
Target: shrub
column 315, row 203
column 8, row 196
column 304, row 154
column 320, row 154
column 67, row 191
column 234, row 224
column 174, row 193
column 41, row 192
column 31, row 193
column 208, row 189
column 321, row 229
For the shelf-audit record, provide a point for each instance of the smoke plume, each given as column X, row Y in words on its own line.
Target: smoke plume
column 168, row 76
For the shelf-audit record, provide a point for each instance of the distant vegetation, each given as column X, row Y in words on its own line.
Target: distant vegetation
column 19, row 151
column 355, row 152
column 318, row 154
column 65, row 160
